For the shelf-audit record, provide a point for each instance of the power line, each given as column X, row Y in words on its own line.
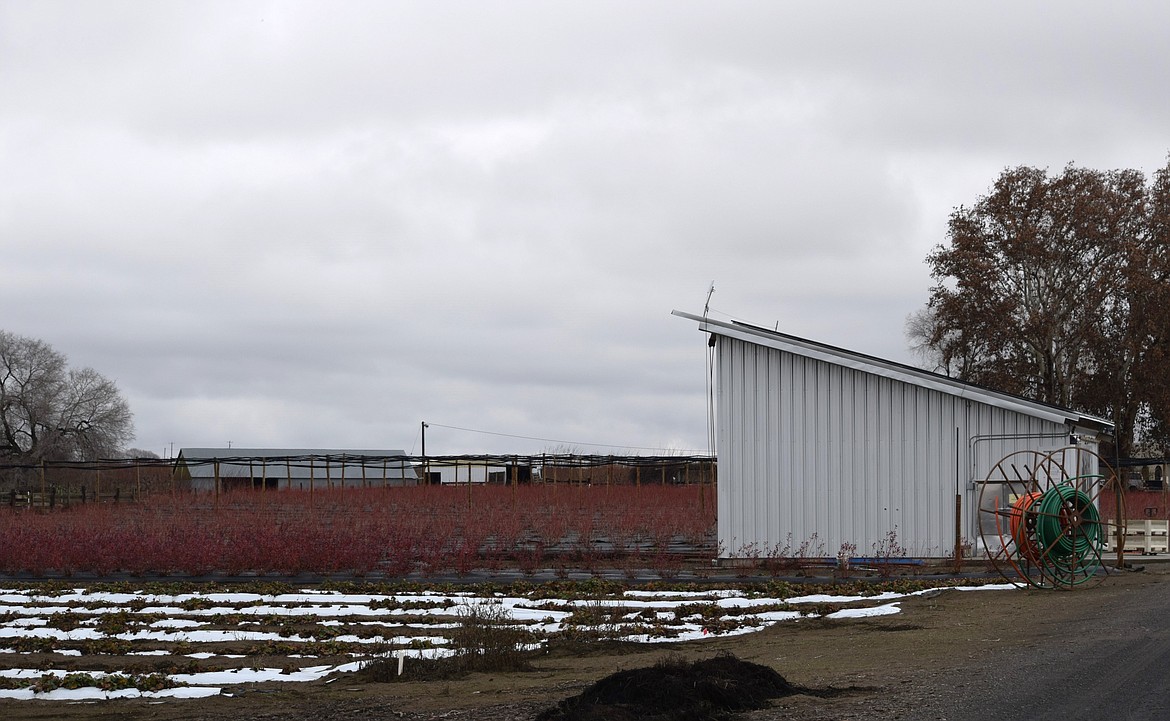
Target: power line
column 415, row 441
column 568, row 443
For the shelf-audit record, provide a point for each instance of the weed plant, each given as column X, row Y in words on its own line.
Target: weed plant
column 486, row 638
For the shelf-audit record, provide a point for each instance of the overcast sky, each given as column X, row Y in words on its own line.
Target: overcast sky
column 300, row 224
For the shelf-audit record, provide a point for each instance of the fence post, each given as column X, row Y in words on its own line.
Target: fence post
column 702, row 495
column 1118, row 518
column 958, row 532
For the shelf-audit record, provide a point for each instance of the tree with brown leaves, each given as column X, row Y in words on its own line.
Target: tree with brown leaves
column 1056, row 288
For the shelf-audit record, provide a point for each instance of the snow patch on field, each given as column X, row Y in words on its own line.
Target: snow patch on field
column 78, row 619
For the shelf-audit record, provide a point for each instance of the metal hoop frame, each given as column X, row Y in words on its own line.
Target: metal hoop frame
column 1040, row 520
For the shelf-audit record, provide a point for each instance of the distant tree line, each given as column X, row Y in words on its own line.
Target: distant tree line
column 1057, row 288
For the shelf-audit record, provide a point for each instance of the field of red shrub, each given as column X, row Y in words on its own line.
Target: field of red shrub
column 427, row 530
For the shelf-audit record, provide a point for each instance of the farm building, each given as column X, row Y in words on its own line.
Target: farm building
column 823, row 450
column 211, row 469
column 570, row 468
column 448, row 470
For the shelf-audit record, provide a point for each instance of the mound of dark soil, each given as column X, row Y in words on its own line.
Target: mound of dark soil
column 674, row 690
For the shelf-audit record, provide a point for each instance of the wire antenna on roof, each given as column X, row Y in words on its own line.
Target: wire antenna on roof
column 710, row 362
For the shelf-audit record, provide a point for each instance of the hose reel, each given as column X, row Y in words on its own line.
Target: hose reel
column 1040, row 520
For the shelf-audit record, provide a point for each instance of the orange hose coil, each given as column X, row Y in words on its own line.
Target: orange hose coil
column 1024, row 536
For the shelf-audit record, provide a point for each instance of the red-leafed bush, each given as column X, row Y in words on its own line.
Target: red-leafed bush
column 395, row 531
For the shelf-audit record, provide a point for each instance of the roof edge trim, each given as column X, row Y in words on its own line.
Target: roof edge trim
column 895, row 371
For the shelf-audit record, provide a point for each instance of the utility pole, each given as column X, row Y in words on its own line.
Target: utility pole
column 425, row 465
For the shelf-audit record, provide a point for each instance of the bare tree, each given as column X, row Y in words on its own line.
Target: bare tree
column 51, row 412
column 141, row 454
column 921, row 330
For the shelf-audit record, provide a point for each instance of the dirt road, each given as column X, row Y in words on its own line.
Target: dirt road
column 1036, row 655
column 1109, row 660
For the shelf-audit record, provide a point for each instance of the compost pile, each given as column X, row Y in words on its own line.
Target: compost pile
column 674, row 690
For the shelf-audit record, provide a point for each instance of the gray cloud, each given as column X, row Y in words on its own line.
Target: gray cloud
column 318, row 224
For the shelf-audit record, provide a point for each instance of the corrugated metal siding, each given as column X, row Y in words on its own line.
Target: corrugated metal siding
column 810, row 451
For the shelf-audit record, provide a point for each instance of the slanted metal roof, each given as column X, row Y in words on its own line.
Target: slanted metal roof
column 897, row 371
column 296, row 463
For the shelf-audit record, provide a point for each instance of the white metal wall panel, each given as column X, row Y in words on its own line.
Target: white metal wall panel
column 811, row 451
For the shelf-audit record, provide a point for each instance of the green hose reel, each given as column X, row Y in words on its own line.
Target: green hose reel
column 1067, row 523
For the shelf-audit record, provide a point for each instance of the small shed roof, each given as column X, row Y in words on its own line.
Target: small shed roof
column 897, row 371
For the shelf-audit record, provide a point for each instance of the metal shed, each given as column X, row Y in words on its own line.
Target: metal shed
column 292, row 468
column 822, row 449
